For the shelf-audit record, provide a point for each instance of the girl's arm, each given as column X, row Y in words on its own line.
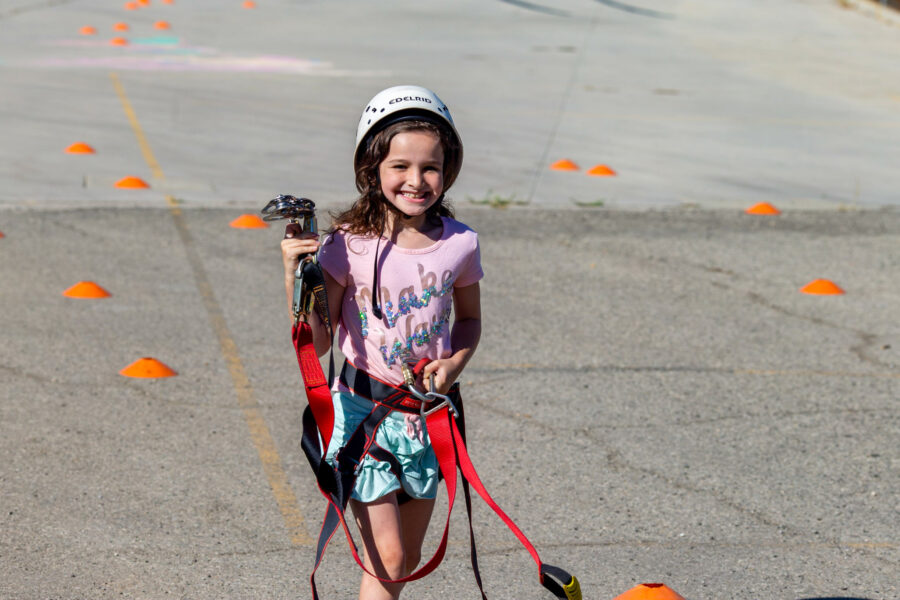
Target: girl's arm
column 464, row 338
column 293, row 245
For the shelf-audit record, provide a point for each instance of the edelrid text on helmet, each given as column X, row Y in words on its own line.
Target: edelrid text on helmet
column 410, row 99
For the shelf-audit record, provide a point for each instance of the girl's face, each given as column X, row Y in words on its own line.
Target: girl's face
column 412, row 174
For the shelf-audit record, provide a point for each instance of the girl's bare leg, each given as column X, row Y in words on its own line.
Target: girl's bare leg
column 414, row 516
column 379, row 526
column 392, row 537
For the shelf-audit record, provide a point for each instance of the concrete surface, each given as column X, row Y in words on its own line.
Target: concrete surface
column 716, row 103
column 674, row 408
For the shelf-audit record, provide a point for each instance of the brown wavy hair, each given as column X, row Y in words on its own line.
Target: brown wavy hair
column 367, row 215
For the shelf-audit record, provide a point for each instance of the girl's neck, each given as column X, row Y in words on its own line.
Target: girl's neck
column 415, row 232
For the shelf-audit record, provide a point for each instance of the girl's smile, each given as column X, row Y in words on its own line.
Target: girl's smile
column 412, row 174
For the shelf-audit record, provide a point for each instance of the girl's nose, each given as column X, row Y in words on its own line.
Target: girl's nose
column 414, row 177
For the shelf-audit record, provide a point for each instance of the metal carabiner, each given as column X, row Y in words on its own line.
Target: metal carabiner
column 432, row 396
column 427, row 397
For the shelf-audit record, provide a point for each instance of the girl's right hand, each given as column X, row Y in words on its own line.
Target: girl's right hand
column 294, row 245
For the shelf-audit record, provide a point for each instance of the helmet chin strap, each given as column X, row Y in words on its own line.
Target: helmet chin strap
column 376, row 291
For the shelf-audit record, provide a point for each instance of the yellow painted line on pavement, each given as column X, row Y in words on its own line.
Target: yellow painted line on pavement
column 259, row 431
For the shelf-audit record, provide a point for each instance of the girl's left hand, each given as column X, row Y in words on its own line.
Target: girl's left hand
column 445, row 370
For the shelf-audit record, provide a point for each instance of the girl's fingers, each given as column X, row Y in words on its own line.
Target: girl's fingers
column 441, row 375
column 294, row 247
column 430, row 368
column 301, row 238
column 292, row 230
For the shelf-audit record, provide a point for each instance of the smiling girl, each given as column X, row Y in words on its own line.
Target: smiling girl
column 397, row 265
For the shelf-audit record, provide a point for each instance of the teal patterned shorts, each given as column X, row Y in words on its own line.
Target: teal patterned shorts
column 419, row 466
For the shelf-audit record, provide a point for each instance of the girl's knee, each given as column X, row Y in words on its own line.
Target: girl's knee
column 393, row 559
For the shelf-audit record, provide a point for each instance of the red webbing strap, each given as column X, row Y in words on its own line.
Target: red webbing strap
column 442, row 440
column 318, row 392
column 471, row 476
column 560, row 582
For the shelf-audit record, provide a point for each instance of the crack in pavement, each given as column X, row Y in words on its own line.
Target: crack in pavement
column 13, row 12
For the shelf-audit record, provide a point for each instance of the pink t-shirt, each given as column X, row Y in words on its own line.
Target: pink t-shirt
column 416, row 296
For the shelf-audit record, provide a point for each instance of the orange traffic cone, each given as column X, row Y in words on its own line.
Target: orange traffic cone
column 564, row 165
column 249, row 222
column 249, row 4
column 88, row 30
column 162, row 25
column 147, row 368
column 763, row 208
column 822, row 287
column 120, row 27
column 131, row 182
column 131, row 6
column 601, row 171
column 86, row 289
column 650, row 591
column 80, row 148
column 118, row 41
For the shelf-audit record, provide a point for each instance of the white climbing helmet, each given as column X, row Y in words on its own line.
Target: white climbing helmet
column 401, row 103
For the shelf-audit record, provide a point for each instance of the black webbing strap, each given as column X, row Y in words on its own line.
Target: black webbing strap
column 314, row 279
column 362, row 384
column 336, row 483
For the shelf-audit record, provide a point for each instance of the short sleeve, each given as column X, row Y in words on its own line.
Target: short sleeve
column 333, row 256
column 470, row 272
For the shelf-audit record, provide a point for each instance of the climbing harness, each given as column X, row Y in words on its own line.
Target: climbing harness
column 443, row 415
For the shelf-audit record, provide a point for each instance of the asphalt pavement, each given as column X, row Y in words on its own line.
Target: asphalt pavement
column 653, row 400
